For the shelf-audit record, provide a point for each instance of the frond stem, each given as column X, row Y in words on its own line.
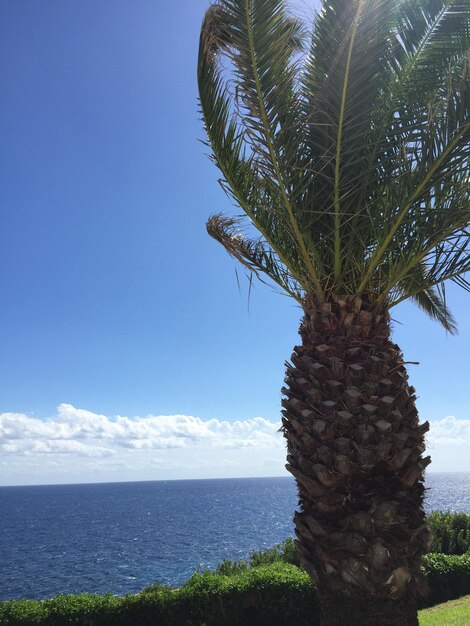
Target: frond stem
column 416, row 260
column 377, row 256
column 337, row 185
column 395, row 90
column 241, row 200
column 267, row 129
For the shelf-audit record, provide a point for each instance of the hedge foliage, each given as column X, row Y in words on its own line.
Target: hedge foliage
column 451, row 532
column 284, row 553
column 279, row 594
column 448, row 577
column 267, row 589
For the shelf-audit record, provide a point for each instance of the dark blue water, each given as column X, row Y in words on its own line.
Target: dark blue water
column 119, row 537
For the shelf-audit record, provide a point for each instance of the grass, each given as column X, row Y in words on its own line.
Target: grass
column 453, row 613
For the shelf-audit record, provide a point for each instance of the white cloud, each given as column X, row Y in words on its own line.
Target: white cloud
column 92, row 446
column 77, row 431
column 450, row 431
column 28, row 447
column 79, row 445
column 448, row 443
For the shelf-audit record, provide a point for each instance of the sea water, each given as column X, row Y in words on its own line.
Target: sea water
column 119, row 537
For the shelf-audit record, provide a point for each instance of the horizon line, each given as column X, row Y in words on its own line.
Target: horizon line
column 174, row 480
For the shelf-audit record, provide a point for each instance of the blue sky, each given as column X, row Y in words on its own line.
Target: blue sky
column 114, row 299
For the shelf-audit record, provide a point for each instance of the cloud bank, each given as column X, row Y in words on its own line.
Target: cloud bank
column 85, row 433
column 89, row 446
column 77, row 444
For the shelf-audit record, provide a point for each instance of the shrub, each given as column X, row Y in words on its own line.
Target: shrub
column 277, row 595
column 450, row 531
column 284, row 552
column 448, row 577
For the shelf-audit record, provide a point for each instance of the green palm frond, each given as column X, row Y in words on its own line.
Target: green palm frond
column 350, row 47
column 431, row 34
column 350, row 155
column 242, row 145
column 429, row 193
column 430, row 299
column 227, row 138
column 430, row 302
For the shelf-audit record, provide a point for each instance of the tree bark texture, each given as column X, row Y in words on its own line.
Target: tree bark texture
column 355, row 448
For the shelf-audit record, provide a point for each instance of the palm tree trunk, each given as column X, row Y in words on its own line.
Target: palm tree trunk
column 355, row 449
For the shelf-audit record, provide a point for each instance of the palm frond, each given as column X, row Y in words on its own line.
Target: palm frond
column 342, row 85
column 242, row 179
column 351, row 156
column 262, row 111
column 254, row 254
column 430, row 302
column 427, row 297
column 430, row 34
column 430, row 201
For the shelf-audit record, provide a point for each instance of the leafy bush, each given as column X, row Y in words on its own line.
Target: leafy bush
column 284, row 552
column 278, row 595
column 450, row 531
column 448, row 577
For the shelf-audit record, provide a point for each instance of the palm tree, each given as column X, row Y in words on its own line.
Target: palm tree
column 350, row 158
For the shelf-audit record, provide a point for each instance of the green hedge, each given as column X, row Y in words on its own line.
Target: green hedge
column 284, row 552
column 450, row 531
column 279, row 594
column 448, row 577
column 265, row 595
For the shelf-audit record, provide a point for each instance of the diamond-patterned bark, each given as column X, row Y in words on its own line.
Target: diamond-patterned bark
column 355, row 448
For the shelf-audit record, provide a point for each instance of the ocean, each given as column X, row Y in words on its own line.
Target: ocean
column 119, row 537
